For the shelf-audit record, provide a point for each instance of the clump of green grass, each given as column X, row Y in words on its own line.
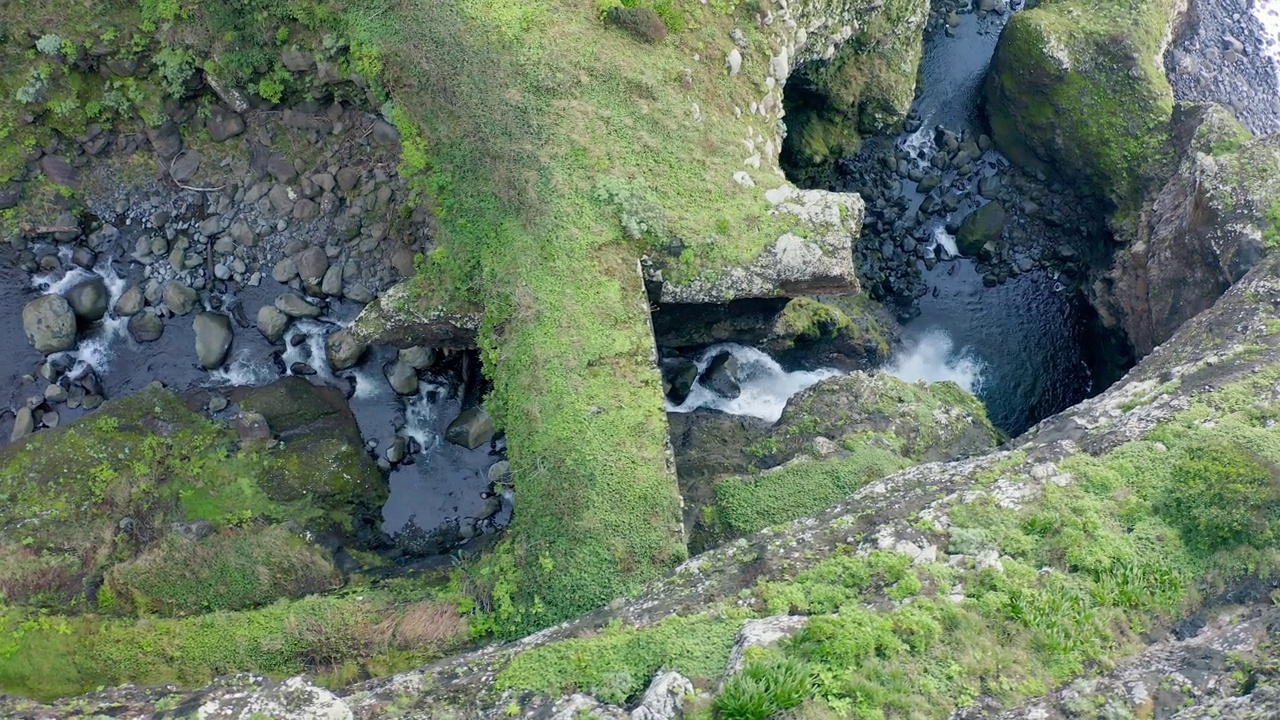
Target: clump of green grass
column 763, row 689
column 641, row 22
column 234, row 570
column 618, row 663
column 46, row 656
column 745, row 505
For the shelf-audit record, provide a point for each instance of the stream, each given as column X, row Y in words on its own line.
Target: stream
column 440, row 493
column 1008, row 326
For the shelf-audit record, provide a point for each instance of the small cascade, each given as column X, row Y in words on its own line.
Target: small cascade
column 765, row 385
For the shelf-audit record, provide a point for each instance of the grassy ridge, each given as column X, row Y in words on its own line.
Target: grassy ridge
column 1087, row 573
column 574, row 148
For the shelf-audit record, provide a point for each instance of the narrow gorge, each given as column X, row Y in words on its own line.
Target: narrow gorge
column 639, row 358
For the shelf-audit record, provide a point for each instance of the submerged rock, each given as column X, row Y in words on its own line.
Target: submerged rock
column 721, row 376
column 50, row 324
column 145, row 327
column 472, row 428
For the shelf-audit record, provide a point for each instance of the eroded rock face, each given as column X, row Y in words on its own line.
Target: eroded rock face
column 816, row 262
column 1198, row 233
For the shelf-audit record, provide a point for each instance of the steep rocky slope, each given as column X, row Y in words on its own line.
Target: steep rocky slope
column 1133, row 536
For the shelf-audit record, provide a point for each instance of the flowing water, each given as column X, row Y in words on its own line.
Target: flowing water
column 440, row 492
column 765, row 385
column 1024, row 346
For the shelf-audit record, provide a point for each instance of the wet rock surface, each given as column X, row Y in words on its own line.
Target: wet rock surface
column 1219, row 55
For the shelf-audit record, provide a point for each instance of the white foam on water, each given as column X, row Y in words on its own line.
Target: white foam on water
column 766, row 387
column 933, row 358
column 919, row 146
column 311, row 351
column 420, row 415
column 96, row 347
column 944, row 239
column 1268, row 13
column 244, row 369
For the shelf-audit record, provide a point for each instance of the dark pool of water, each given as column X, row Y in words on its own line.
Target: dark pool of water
column 1028, row 347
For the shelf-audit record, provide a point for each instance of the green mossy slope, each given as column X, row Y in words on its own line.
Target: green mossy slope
column 100, row 496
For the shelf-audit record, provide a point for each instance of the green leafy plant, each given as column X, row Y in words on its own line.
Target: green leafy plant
column 763, row 689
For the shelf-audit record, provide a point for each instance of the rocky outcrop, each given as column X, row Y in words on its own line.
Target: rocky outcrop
column 739, row 474
column 1201, row 231
column 406, row 315
column 814, row 260
column 864, row 88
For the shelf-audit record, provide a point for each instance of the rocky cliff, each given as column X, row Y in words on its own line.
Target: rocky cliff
column 1198, row 232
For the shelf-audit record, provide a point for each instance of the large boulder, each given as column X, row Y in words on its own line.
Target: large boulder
column 982, row 226
column 721, row 375
column 50, row 324
column 342, row 349
column 179, row 297
column 272, row 323
column 295, row 306
column 402, row 377
column 145, row 327
column 1080, row 90
column 213, row 339
column 89, row 299
column 471, row 429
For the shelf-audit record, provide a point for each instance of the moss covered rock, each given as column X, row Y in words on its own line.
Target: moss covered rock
column 864, row 88
column 740, row 474
column 108, row 494
column 1079, row 89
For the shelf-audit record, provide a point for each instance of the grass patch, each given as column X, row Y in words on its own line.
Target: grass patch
column 393, row 629
column 618, row 663
column 745, row 505
column 234, row 570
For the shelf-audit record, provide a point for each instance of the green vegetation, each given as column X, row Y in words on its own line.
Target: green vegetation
column 807, row 320
column 336, row 636
column 234, row 570
column 745, row 505
column 763, row 689
column 618, row 663
column 98, row 497
column 1065, row 585
column 1078, row 87
column 864, row 89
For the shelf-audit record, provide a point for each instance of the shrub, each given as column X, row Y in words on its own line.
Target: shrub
column 1220, row 497
column 764, row 689
column 643, row 23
